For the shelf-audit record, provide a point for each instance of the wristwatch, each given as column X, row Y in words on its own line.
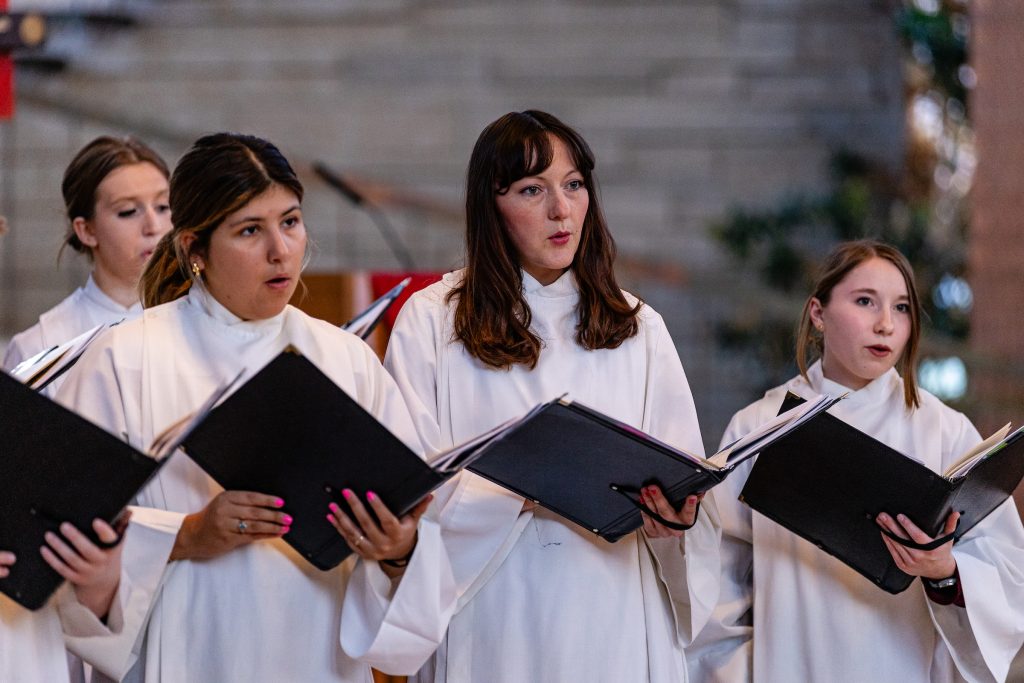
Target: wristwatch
column 941, row 584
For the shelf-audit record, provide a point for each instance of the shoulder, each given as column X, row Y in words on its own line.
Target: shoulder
column 331, row 338
column 432, row 303
column 933, row 412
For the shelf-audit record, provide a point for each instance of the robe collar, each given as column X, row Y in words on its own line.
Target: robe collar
column 202, row 301
column 564, row 286
column 877, row 392
column 98, row 297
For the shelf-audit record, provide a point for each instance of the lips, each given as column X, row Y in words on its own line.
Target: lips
column 278, row 282
column 561, row 237
column 879, row 350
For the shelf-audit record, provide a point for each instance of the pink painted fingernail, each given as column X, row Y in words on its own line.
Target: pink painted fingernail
column 285, row 530
column 347, row 493
column 370, row 495
column 334, row 507
column 279, row 503
column 287, row 520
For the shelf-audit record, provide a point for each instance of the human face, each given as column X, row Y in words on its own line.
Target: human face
column 254, row 258
column 866, row 323
column 544, row 216
column 130, row 217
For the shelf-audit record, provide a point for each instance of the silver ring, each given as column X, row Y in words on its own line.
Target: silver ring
column 358, row 541
column 242, row 526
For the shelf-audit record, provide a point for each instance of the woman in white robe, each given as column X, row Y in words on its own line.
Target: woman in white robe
column 789, row 611
column 235, row 601
column 541, row 599
column 115, row 197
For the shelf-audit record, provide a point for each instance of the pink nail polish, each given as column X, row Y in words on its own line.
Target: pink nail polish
column 279, row 503
column 334, row 507
column 370, row 495
column 285, row 530
column 347, row 493
column 287, row 520
column 330, row 519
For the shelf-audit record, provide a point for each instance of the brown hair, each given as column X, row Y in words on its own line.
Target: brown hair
column 492, row 318
column 844, row 258
column 220, row 174
column 91, row 165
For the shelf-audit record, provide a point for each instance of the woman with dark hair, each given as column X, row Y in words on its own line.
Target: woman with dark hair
column 535, row 313
column 115, row 198
column 233, row 601
column 790, row 612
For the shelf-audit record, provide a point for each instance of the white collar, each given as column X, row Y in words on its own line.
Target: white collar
column 201, row 300
column 564, row 286
column 876, row 392
column 93, row 293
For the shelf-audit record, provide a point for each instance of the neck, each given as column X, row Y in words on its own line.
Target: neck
column 124, row 293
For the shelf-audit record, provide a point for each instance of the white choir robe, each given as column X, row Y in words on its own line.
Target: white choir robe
column 260, row 612
column 84, row 309
column 814, row 618
column 32, row 643
column 541, row 599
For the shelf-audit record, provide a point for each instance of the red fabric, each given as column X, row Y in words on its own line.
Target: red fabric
column 380, row 283
column 954, row 595
column 6, row 79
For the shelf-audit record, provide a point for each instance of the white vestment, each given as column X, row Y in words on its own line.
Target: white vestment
column 85, row 308
column 259, row 612
column 814, row 618
column 541, row 599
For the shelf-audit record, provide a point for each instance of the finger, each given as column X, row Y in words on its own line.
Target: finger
column 85, row 548
column 257, row 528
column 107, row 533
column 420, row 508
column 258, row 514
column 688, row 513
column 250, row 498
column 348, row 529
column 660, row 503
column 887, row 522
column 893, row 547
column 362, row 517
column 120, row 524
column 57, row 565
column 387, row 520
column 7, row 558
column 912, row 529
column 69, row 556
column 648, row 526
column 951, row 523
column 905, row 555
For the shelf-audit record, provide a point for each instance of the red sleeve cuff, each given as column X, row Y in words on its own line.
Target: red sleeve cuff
column 954, row 595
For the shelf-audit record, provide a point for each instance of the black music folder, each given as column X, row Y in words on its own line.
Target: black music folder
column 290, row 431
column 589, row 468
column 56, row 466
column 828, row 482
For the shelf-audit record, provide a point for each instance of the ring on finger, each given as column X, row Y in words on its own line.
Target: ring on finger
column 359, row 541
column 242, row 526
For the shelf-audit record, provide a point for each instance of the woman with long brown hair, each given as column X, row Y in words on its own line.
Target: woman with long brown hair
column 788, row 611
column 232, row 600
column 535, row 313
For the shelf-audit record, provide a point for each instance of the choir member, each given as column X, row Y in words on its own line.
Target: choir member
column 115, row 197
column 537, row 312
column 790, row 612
column 235, row 601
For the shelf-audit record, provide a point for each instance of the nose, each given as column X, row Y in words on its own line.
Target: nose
column 277, row 246
column 558, row 206
column 150, row 221
column 884, row 323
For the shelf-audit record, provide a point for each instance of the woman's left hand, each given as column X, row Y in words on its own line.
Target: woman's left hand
column 930, row 564
column 390, row 539
column 95, row 572
column 652, row 497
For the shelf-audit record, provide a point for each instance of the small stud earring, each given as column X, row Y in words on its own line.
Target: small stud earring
column 196, row 270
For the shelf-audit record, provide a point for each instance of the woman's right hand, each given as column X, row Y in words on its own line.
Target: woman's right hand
column 6, row 560
column 232, row 519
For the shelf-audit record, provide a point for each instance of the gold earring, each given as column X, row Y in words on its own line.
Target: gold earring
column 195, row 269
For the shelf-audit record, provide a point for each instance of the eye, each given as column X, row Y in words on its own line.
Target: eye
column 126, row 213
column 163, row 208
column 530, row 191
column 903, row 308
column 249, row 230
column 863, row 301
column 290, row 221
column 574, row 185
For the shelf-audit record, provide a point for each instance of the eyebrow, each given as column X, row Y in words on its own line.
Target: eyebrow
column 258, row 219
column 869, row 290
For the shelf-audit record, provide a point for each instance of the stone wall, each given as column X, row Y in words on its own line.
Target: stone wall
column 691, row 107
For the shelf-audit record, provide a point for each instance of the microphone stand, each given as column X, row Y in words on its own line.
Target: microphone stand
column 357, row 198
